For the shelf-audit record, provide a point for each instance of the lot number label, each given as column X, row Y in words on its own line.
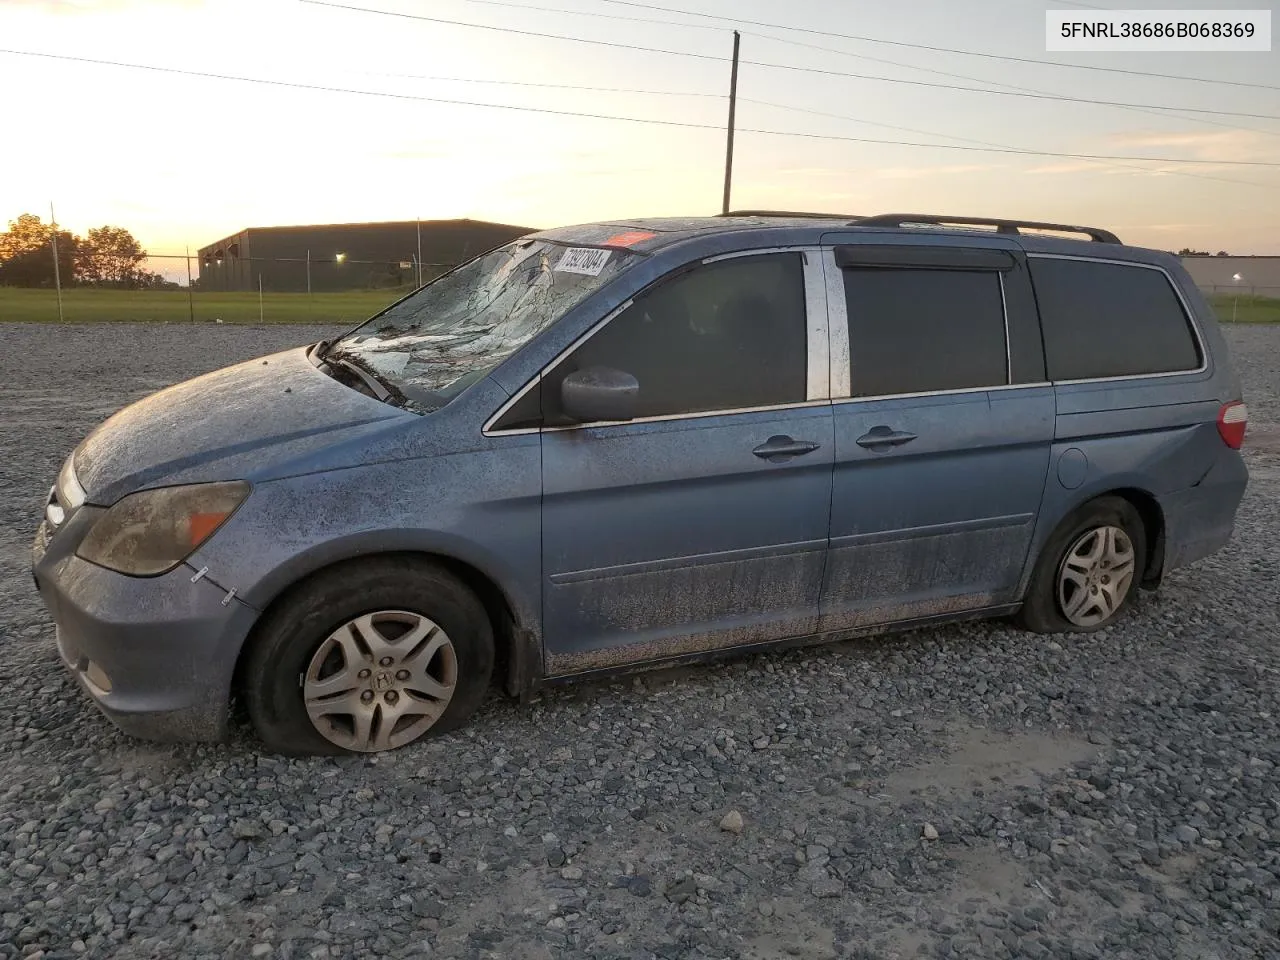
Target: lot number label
column 586, row 260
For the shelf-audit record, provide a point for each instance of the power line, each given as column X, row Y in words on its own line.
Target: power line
column 640, row 120
column 813, row 46
column 935, row 49
column 796, row 43
column 598, row 14
column 781, row 66
column 795, row 109
column 988, row 143
column 550, row 86
column 997, row 83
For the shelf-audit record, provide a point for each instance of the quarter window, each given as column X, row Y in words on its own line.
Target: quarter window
column 722, row 336
column 1110, row 320
column 921, row 330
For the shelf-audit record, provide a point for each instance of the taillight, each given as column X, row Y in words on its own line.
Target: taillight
column 1233, row 418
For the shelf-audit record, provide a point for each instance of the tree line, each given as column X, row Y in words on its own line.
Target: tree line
column 103, row 257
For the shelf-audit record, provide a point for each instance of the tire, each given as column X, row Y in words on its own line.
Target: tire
column 1053, row 600
column 411, row 642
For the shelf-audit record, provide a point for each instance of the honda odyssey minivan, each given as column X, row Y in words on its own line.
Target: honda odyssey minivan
column 619, row 445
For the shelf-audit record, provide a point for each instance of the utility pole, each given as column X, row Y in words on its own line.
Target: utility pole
column 191, row 303
column 733, row 104
column 57, row 276
column 260, row 317
column 419, row 251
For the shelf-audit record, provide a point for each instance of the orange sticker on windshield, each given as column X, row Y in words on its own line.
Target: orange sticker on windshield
column 629, row 238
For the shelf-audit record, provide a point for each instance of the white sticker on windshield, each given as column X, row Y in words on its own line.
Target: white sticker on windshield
column 587, row 260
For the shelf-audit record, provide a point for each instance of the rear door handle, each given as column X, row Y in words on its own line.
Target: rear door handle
column 779, row 448
column 883, row 437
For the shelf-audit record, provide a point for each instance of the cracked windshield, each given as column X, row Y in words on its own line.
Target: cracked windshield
column 433, row 344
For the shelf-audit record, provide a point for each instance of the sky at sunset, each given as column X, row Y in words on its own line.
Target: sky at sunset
column 183, row 160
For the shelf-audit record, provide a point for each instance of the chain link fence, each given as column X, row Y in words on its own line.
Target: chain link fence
column 340, row 290
column 1240, row 290
column 337, row 290
column 1243, row 303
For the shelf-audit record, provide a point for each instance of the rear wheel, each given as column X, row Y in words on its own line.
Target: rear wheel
column 1088, row 572
column 368, row 657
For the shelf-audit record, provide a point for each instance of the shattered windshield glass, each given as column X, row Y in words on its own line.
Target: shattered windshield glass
column 436, row 342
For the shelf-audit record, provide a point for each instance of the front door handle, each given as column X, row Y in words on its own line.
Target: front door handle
column 779, row 448
column 878, row 438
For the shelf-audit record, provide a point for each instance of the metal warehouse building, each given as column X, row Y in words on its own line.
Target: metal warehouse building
column 345, row 256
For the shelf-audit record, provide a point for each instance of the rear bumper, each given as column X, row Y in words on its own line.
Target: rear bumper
column 1199, row 521
column 156, row 655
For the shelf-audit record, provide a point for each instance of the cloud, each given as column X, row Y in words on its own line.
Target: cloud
column 417, row 153
column 1197, row 145
column 1066, row 166
column 1164, row 227
column 111, row 6
column 913, row 173
column 814, row 171
column 73, row 7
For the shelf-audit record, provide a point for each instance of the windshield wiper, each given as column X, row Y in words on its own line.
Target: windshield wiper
column 378, row 387
column 400, row 395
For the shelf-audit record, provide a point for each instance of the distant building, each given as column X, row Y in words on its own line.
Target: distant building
column 1244, row 275
column 345, row 256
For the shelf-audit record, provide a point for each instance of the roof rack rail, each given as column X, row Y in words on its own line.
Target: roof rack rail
column 1096, row 234
column 788, row 213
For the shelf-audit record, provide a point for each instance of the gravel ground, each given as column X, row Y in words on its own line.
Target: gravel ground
column 967, row 791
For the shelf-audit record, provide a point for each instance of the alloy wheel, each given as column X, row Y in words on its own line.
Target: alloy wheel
column 1095, row 576
column 380, row 681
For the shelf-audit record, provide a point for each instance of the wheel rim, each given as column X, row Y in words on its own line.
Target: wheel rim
column 380, row 681
column 1095, row 576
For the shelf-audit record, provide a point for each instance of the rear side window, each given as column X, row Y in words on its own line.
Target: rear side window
column 1110, row 320
column 920, row 330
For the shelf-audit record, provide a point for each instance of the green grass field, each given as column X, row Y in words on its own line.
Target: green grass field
column 1246, row 309
column 172, row 306
column 143, row 306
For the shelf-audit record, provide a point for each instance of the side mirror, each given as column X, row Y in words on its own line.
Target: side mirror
column 599, row 393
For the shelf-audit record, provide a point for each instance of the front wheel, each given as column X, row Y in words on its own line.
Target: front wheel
column 368, row 657
column 1089, row 570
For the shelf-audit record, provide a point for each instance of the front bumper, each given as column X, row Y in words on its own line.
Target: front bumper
column 157, row 654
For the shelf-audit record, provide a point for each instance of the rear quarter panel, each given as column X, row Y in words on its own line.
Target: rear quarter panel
column 1156, row 435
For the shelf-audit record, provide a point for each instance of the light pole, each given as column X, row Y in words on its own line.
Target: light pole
column 1235, row 301
column 191, row 302
column 57, row 276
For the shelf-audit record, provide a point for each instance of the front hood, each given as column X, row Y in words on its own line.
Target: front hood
column 226, row 425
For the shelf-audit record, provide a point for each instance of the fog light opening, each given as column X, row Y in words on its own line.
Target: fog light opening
column 97, row 678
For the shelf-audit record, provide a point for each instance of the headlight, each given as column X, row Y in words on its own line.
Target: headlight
column 151, row 532
column 70, row 493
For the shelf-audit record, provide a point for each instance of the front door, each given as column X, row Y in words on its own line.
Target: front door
column 943, row 425
column 702, row 524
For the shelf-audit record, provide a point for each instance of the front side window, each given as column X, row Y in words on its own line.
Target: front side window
column 721, row 336
column 1110, row 320
column 922, row 330
column 431, row 345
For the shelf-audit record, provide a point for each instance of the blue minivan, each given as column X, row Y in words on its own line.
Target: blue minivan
column 618, row 445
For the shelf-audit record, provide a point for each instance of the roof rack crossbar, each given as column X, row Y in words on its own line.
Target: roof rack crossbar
column 789, row 213
column 1096, row 234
